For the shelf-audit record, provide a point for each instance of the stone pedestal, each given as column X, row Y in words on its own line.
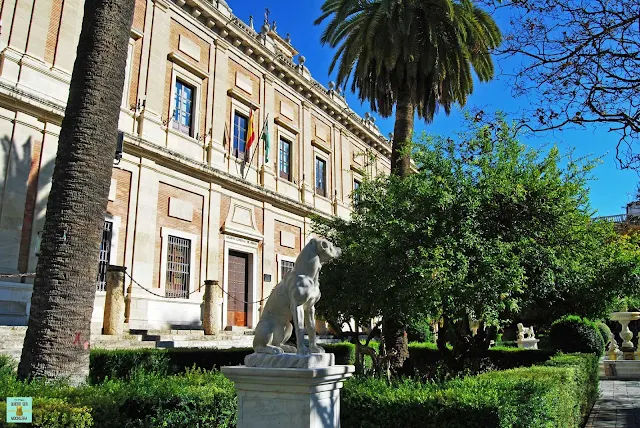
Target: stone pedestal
column 113, row 322
column 279, row 397
column 528, row 343
column 624, row 318
column 210, row 316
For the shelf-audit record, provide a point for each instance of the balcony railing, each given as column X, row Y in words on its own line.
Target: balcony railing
column 618, row 218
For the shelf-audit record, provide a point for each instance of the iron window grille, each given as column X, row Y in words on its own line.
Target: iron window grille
column 285, row 267
column 104, row 257
column 178, row 267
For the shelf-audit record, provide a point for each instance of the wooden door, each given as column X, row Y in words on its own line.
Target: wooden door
column 238, row 289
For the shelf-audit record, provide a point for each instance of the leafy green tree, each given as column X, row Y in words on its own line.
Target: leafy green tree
column 413, row 56
column 484, row 229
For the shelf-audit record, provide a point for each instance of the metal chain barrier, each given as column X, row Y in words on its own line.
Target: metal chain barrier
column 156, row 294
column 22, row 275
column 238, row 300
column 17, row 275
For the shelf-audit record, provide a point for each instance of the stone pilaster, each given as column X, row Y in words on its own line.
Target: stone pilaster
column 39, row 29
column 307, row 160
column 145, row 228
column 69, row 34
column 268, row 251
column 219, row 108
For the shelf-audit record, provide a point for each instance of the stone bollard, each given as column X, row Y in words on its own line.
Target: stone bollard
column 113, row 322
column 210, row 318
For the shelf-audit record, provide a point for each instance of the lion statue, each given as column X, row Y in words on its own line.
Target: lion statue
column 294, row 298
column 525, row 331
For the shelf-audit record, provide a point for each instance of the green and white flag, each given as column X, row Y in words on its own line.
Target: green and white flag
column 267, row 142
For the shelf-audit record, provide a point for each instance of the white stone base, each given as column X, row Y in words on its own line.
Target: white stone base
column 300, row 398
column 620, row 369
column 528, row 343
column 289, row 361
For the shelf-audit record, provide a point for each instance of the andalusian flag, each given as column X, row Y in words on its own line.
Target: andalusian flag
column 267, row 142
column 251, row 135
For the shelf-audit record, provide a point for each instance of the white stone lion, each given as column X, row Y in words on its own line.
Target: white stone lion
column 525, row 332
column 294, row 299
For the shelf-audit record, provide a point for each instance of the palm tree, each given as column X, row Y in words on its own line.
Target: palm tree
column 57, row 340
column 414, row 55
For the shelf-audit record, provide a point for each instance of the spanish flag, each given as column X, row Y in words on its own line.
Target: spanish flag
column 251, row 136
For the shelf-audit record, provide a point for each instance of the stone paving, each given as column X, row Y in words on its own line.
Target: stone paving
column 618, row 406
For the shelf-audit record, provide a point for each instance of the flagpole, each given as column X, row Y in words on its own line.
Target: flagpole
column 257, row 145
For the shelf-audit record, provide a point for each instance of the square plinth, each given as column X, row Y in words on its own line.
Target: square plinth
column 288, row 397
column 289, row 361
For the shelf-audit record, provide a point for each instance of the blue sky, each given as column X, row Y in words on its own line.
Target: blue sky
column 609, row 193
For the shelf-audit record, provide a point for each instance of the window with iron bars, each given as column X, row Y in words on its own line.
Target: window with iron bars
column 178, row 267
column 104, row 256
column 285, row 267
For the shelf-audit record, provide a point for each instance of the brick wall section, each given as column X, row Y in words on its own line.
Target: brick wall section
column 279, row 97
column 165, row 191
column 135, row 73
column 286, row 251
column 139, row 15
column 52, row 34
column 174, row 41
column 255, row 80
column 318, row 126
column 30, row 205
column 120, row 208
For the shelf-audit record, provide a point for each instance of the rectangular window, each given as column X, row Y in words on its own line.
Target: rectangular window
column 178, row 267
column 104, row 257
column 285, row 267
column 284, row 159
column 321, row 177
column 240, row 128
column 183, row 108
column 356, row 185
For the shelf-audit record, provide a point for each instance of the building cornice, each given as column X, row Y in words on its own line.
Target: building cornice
column 137, row 146
column 252, row 44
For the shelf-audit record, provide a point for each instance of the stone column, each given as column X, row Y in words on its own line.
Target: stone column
column 211, row 316
column 278, row 397
column 114, row 301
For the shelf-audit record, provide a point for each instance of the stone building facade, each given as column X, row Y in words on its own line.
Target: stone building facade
column 189, row 200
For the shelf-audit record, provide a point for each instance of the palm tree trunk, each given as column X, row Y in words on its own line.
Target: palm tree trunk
column 57, row 340
column 402, row 134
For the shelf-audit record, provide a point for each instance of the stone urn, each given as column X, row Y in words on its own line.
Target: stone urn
column 624, row 318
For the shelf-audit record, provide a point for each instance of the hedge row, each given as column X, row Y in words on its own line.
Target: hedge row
column 120, row 364
column 147, row 400
column 558, row 393
column 424, row 360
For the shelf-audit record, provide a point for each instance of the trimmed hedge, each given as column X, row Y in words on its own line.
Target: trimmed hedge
column 53, row 413
column 146, row 400
column 572, row 333
column 558, row 393
column 122, row 364
column 605, row 331
column 426, row 361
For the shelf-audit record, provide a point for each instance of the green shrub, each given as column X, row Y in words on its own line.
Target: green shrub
column 191, row 399
column 121, row 364
column 52, row 413
column 605, row 332
column 572, row 333
column 548, row 395
column 427, row 362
